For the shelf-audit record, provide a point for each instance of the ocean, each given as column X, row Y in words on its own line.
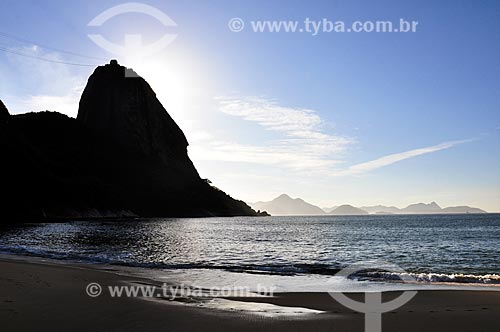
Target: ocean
column 293, row 253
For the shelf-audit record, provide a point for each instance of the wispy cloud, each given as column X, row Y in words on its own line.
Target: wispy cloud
column 298, row 125
column 302, row 145
column 43, row 85
column 65, row 104
column 293, row 121
column 301, row 142
column 397, row 157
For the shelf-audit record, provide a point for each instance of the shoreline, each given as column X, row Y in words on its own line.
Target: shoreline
column 314, row 281
column 43, row 295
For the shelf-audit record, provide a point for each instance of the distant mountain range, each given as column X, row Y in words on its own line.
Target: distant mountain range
column 421, row 208
column 380, row 209
column 285, row 205
column 348, row 210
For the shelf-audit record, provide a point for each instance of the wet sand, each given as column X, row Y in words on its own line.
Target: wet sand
column 43, row 296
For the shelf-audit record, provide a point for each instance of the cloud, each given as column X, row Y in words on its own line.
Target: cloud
column 293, row 121
column 397, row 157
column 301, row 142
column 280, row 155
column 42, row 85
column 66, row 104
column 302, row 145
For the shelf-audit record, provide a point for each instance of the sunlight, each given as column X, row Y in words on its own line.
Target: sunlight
column 173, row 80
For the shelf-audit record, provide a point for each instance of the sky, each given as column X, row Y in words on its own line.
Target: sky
column 359, row 118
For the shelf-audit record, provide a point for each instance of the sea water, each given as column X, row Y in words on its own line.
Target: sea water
column 300, row 253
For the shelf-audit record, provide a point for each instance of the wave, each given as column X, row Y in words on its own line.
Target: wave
column 268, row 269
column 490, row 279
column 271, row 269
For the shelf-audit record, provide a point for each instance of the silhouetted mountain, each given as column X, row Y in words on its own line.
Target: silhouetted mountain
column 126, row 110
column 433, row 207
column 123, row 156
column 381, row 208
column 422, row 208
column 462, row 209
column 348, row 210
column 285, row 205
column 4, row 114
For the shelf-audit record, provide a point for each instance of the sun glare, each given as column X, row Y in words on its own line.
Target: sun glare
column 174, row 82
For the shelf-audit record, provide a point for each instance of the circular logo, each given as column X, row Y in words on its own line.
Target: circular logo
column 374, row 302
column 236, row 24
column 133, row 42
column 93, row 289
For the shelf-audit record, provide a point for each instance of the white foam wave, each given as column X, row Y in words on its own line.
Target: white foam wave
column 438, row 277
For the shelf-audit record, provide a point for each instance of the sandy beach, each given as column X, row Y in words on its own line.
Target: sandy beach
column 47, row 296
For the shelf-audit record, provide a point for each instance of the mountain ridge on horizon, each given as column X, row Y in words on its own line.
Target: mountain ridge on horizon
column 285, row 205
column 346, row 209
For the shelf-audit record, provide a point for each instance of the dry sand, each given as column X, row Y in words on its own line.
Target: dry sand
column 52, row 297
